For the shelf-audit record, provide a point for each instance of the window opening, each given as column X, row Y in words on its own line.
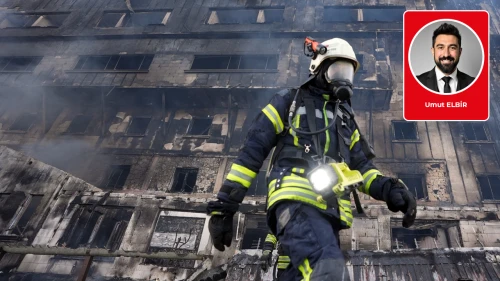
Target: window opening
column 117, row 176
column 416, row 184
column 138, row 126
column 404, row 130
column 185, row 180
column 200, row 126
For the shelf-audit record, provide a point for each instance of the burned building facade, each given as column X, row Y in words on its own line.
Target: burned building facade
column 119, row 120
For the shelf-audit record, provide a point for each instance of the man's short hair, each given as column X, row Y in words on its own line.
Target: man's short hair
column 447, row 29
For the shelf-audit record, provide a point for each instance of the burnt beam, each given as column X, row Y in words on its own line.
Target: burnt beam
column 85, row 268
column 50, row 251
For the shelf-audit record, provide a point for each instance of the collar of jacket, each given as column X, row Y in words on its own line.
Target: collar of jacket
column 315, row 91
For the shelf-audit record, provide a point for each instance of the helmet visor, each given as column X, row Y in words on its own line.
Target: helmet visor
column 340, row 70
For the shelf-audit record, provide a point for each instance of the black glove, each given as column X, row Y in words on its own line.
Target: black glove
column 399, row 198
column 220, row 225
column 266, row 260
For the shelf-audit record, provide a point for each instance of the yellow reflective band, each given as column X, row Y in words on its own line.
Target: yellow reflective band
column 306, row 270
column 368, row 177
column 274, row 117
column 296, row 194
column 296, row 125
column 327, row 132
column 282, row 265
column 290, row 181
column 241, row 175
column 271, row 238
column 215, row 213
column 298, row 170
column 283, row 259
column 354, row 138
column 345, row 203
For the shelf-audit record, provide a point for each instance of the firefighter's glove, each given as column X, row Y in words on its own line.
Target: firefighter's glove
column 220, row 225
column 266, row 260
column 399, row 198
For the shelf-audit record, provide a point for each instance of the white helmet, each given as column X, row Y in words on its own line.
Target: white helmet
column 336, row 48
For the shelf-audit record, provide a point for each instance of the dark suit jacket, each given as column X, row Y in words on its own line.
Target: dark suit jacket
column 429, row 80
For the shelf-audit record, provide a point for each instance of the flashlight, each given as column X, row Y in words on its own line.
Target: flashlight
column 333, row 180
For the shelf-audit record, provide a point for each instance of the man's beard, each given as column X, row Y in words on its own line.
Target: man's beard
column 446, row 69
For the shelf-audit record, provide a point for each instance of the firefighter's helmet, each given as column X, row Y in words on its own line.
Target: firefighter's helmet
column 336, row 48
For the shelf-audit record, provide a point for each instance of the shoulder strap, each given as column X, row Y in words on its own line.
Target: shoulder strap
column 311, row 120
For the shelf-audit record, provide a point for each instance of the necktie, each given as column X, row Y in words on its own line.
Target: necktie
column 446, row 80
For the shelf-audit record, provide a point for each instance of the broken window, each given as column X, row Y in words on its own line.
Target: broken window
column 416, row 184
column 180, row 232
column 137, row 19
column 23, row 20
column 256, row 231
column 475, row 131
column 490, row 186
column 138, row 126
column 17, row 209
column 117, row 177
column 259, row 186
column 19, row 64
column 200, row 126
column 79, row 124
column 97, row 227
column 241, row 62
column 404, row 130
column 23, row 123
column 364, row 13
column 114, row 63
column 184, row 180
column 425, row 234
column 245, row 16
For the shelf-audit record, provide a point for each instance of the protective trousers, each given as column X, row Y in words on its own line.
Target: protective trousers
column 311, row 241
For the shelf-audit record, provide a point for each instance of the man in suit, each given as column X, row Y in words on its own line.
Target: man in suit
column 446, row 49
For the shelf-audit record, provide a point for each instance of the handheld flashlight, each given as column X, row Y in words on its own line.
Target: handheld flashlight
column 334, row 180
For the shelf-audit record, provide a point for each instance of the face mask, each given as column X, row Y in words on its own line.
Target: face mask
column 340, row 75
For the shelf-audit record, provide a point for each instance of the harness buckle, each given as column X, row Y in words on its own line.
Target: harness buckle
column 307, row 148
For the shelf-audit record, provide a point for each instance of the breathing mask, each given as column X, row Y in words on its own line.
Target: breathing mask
column 340, row 75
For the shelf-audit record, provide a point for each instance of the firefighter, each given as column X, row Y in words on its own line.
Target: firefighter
column 311, row 124
column 267, row 255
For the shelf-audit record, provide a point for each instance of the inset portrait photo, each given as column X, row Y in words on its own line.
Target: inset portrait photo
column 446, row 56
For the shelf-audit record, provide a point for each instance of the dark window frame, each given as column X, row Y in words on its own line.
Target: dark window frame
column 68, row 130
column 128, row 134
column 30, row 23
column 473, row 124
column 110, row 174
column 241, row 9
column 32, row 115
column 191, row 125
column 363, row 8
column 148, row 58
column 35, row 61
column 261, row 219
column 186, row 171
column 129, row 16
column 395, row 223
column 269, row 60
column 13, row 224
column 481, row 191
column 394, row 135
column 76, row 216
column 421, row 177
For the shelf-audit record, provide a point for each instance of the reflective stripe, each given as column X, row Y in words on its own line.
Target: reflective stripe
column 283, row 259
column 274, row 117
column 241, row 175
column 354, row 138
column 306, row 270
column 296, row 123
column 216, row 213
column 327, row 132
column 302, row 110
column 282, row 265
column 296, row 194
column 271, row 238
column 290, row 181
column 368, row 177
column 298, row 170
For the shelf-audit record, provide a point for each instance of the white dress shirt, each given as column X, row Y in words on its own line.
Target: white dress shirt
column 453, row 81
